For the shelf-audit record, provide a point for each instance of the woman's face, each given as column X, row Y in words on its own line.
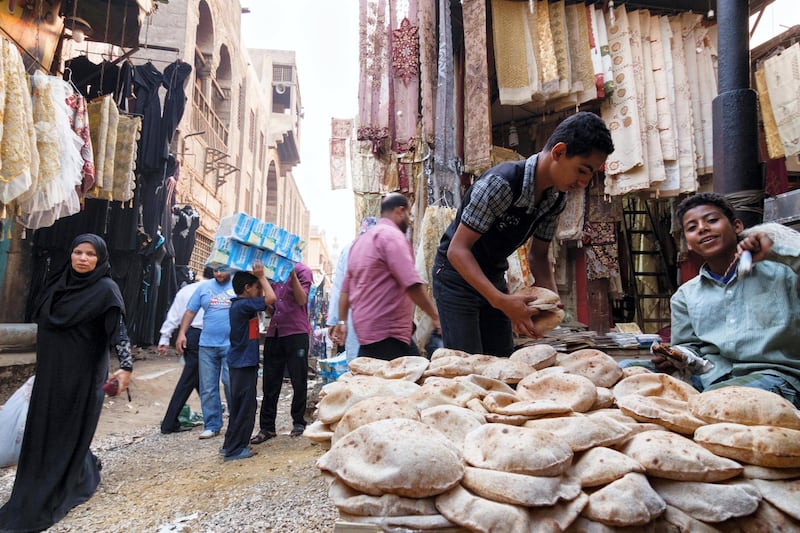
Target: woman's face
column 84, row 258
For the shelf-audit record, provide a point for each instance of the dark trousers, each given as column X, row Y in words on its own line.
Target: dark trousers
column 244, row 382
column 469, row 323
column 284, row 353
column 189, row 381
column 388, row 349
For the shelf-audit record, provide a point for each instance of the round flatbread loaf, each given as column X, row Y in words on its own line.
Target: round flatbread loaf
column 605, row 399
column 539, row 356
column 652, row 384
column 745, row 405
column 582, row 432
column 450, row 366
column 598, row 366
column 372, row 409
column 318, row 432
column 756, row 445
column 545, row 298
column 438, row 391
column 447, row 352
column 672, row 414
column 385, row 457
column 671, row 456
column 550, row 316
column 519, row 489
column 771, row 474
column 453, row 421
column 484, row 384
column 515, row 449
column 339, row 396
column 475, row 513
column 506, row 370
column 349, row 500
column 575, row 391
column 709, row 502
column 683, row 522
column 785, row 495
column 601, row 466
column 366, row 366
column 409, row 368
column 629, row 501
column 403, row 523
column 558, row 517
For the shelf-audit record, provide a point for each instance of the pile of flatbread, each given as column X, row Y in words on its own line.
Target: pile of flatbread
column 545, row 441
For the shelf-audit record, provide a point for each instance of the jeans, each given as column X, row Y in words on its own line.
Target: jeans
column 469, row 323
column 213, row 366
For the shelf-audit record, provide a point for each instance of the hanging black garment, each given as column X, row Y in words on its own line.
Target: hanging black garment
column 153, row 149
column 175, row 76
column 78, row 319
column 91, row 79
column 187, row 220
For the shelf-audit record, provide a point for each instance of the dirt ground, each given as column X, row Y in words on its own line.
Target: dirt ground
column 155, row 482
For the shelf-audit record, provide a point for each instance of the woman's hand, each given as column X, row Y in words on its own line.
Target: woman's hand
column 124, row 378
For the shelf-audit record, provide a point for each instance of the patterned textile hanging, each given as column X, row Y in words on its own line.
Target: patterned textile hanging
column 341, row 132
column 477, row 137
column 52, row 194
column 426, row 15
column 373, row 92
column 405, row 75
column 20, row 160
column 445, row 178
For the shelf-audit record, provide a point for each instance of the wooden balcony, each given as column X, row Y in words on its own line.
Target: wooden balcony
column 205, row 119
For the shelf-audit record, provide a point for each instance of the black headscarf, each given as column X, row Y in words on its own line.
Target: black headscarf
column 76, row 297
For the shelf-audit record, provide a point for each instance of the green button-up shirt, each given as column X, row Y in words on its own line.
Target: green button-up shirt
column 750, row 324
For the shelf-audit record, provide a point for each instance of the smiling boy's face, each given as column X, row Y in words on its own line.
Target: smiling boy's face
column 709, row 233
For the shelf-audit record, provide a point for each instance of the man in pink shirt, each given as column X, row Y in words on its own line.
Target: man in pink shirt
column 382, row 286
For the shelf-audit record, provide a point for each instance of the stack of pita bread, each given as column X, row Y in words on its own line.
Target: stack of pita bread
column 544, row 441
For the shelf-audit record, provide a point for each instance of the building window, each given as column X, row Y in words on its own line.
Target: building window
column 251, row 137
column 282, row 74
column 241, row 107
column 200, row 252
column 261, row 151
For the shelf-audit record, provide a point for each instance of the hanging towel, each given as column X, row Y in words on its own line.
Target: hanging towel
column 477, row 137
column 782, row 73
column 684, row 127
column 771, row 134
column 624, row 167
column 516, row 79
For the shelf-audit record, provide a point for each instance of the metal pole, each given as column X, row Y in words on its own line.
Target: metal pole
column 737, row 173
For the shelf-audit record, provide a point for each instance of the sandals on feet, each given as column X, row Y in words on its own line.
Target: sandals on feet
column 297, row 431
column 262, row 436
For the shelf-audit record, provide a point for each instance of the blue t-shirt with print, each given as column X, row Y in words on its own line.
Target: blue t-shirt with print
column 244, row 332
column 215, row 300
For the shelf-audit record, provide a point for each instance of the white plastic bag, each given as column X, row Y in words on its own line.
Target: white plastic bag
column 332, row 368
column 12, row 423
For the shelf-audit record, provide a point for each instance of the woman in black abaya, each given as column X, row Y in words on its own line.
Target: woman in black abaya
column 79, row 318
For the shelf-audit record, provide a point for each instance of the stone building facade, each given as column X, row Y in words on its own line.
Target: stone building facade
column 238, row 140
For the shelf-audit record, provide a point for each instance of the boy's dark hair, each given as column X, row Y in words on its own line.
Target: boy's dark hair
column 208, row 272
column 582, row 133
column 241, row 280
column 393, row 201
column 704, row 198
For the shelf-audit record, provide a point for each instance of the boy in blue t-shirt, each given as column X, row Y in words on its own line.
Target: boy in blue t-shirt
column 253, row 294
